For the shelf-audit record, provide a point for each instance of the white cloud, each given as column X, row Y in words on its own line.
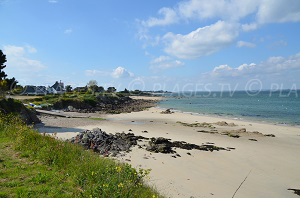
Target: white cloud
column 166, row 65
column 163, row 63
column 201, row 42
column 68, row 31
column 266, row 11
column 169, row 17
column 228, row 13
column 121, row 72
column 249, row 27
column 245, row 44
column 160, row 59
column 17, row 58
column 31, row 49
column 273, row 65
column 278, row 11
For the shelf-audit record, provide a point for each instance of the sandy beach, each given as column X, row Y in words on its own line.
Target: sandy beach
column 271, row 163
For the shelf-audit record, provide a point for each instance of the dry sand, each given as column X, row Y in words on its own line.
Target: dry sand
column 273, row 161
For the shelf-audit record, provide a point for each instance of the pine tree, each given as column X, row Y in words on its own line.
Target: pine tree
column 2, row 66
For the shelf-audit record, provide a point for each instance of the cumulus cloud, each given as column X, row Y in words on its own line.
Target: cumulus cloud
column 228, row 13
column 249, row 27
column 245, row 44
column 165, row 64
column 121, row 72
column 169, row 16
column 201, row 42
column 278, row 11
column 17, row 58
column 266, row 11
column 273, row 65
column 160, row 59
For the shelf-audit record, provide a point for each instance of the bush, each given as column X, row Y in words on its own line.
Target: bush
column 96, row 176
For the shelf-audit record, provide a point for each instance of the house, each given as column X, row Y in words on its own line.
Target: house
column 57, row 88
column 34, row 90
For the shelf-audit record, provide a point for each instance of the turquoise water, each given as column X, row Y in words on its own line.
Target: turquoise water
column 276, row 107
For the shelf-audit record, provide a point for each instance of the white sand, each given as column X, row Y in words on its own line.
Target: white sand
column 273, row 161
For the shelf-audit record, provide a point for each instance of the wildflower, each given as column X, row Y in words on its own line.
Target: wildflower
column 93, row 173
column 153, row 196
column 105, row 185
column 120, row 185
column 118, row 169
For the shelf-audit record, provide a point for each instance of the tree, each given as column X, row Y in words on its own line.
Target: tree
column 100, row 89
column 93, row 86
column 125, row 91
column 111, row 89
column 68, row 88
column 2, row 66
column 11, row 83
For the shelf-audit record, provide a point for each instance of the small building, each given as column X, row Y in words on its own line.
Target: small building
column 57, row 88
column 34, row 90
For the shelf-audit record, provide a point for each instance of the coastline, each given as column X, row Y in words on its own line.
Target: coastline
column 273, row 161
column 230, row 118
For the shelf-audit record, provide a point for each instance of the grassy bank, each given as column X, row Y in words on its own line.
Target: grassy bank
column 34, row 165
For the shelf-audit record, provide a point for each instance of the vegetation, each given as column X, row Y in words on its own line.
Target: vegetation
column 2, row 65
column 35, row 165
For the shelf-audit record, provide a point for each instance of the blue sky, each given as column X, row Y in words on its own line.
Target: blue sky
column 152, row 44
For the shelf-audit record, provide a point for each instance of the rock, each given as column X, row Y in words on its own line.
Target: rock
column 104, row 143
column 189, row 153
column 269, row 135
column 163, row 145
column 223, row 123
column 71, row 108
column 296, row 191
column 29, row 116
column 253, row 140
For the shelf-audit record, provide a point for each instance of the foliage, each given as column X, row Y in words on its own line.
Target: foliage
column 111, row 89
column 94, row 176
column 2, row 66
column 68, row 88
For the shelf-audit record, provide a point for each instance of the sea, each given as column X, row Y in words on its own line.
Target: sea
column 276, row 107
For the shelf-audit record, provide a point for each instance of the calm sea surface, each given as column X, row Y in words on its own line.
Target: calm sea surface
column 276, row 107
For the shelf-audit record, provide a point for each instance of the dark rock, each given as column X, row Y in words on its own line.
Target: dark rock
column 253, row 140
column 104, row 143
column 29, row 116
column 269, row 135
column 296, row 191
column 168, row 111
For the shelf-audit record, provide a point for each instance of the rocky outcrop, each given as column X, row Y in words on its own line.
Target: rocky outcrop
column 168, row 111
column 104, row 104
column 163, row 145
column 106, row 144
column 111, row 145
column 27, row 115
column 223, row 123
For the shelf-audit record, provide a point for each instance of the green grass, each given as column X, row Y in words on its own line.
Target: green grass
column 33, row 165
